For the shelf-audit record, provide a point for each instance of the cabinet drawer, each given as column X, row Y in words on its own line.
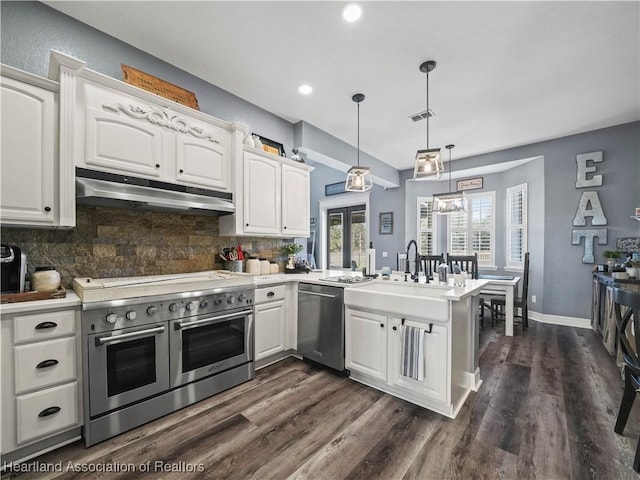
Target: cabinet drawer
column 270, row 294
column 46, row 411
column 43, row 325
column 42, row 364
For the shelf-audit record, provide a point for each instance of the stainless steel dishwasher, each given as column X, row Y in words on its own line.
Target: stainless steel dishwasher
column 321, row 324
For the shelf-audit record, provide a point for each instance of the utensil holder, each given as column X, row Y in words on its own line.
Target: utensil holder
column 233, row 265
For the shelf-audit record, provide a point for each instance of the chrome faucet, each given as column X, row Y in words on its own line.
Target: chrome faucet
column 407, row 270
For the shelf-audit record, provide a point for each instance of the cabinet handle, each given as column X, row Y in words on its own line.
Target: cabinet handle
column 395, row 328
column 47, row 209
column 45, row 325
column 247, row 224
column 157, row 165
column 49, row 411
column 47, row 363
column 285, row 228
column 181, row 171
column 271, row 294
column 382, row 325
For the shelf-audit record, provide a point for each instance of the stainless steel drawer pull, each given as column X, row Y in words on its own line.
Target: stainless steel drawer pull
column 125, row 336
column 45, row 325
column 49, row 411
column 318, row 294
column 47, row 363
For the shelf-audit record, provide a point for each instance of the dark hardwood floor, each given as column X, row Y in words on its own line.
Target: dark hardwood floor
column 546, row 410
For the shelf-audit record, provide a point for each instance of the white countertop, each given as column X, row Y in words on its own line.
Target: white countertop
column 70, row 301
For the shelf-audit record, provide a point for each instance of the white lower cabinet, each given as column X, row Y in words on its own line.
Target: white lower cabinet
column 41, row 383
column 434, row 384
column 373, row 354
column 275, row 323
column 270, row 329
column 366, row 343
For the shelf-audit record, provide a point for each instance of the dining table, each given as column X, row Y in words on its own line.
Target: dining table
column 502, row 285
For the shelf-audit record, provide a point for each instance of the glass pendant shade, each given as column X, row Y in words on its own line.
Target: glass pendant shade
column 358, row 179
column 449, row 202
column 428, row 164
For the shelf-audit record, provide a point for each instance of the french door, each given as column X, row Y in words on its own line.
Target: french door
column 346, row 237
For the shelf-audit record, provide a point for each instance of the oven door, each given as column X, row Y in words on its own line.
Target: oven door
column 204, row 346
column 127, row 365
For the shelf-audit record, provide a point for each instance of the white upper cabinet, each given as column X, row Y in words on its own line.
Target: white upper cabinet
column 272, row 197
column 32, row 188
column 123, row 133
column 110, row 126
column 295, row 201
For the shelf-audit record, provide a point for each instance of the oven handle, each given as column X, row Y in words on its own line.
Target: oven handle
column 206, row 321
column 103, row 340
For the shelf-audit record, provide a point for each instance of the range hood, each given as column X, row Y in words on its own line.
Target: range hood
column 124, row 191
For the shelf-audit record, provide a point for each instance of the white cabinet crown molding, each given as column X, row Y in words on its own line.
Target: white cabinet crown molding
column 22, row 76
column 164, row 117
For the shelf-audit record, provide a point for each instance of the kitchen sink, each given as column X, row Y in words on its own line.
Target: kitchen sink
column 403, row 299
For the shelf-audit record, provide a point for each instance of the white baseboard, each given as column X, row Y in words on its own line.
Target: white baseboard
column 560, row 320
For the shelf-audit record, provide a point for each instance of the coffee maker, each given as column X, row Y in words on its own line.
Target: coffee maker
column 13, row 267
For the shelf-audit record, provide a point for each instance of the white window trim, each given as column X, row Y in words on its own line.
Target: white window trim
column 339, row 201
column 492, row 262
column 516, row 266
column 434, row 222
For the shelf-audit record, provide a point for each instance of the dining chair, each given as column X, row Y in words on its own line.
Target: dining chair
column 521, row 302
column 628, row 326
column 429, row 264
column 466, row 263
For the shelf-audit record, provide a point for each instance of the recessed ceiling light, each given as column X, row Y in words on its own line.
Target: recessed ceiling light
column 305, row 89
column 352, row 12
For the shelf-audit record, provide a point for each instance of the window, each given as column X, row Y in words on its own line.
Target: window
column 347, row 235
column 474, row 230
column 516, row 225
column 426, row 227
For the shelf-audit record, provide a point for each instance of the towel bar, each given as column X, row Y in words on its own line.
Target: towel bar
column 426, row 331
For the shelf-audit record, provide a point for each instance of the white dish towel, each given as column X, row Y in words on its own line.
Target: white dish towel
column 412, row 354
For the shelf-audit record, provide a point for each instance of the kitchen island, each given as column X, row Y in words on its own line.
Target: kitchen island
column 442, row 316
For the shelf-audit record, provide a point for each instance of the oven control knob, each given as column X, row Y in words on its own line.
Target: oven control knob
column 111, row 318
column 242, row 298
column 190, row 306
column 204, row 304
column 173, row 307
column 152, row 310
column 130, row 315
column 231, row 300
column 217, row 301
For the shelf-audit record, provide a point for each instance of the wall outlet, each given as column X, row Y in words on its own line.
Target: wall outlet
column 533, row 299
column 385, row 254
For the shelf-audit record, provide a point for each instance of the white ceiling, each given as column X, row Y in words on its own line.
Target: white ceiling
column 508, row 73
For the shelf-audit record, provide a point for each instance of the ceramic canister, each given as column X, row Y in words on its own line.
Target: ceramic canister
column 273, row 268
column 253, row 266
column 45, row 279
column 265, row 267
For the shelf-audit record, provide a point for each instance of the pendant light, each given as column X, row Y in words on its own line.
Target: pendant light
column 428, row 161
column 358, row 178
column 444, row 203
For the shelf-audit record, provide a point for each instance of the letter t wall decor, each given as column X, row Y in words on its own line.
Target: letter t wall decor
column 589, row 206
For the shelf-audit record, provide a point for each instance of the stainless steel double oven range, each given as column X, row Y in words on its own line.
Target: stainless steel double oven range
column 145, row 357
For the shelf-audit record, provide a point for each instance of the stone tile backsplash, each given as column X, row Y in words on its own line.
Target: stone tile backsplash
column 115, row 242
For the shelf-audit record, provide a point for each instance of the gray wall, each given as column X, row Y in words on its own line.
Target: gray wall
column 30, row 29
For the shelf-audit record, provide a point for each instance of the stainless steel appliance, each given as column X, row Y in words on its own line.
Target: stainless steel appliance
column 149, row 355
column 13, row 267
column 321, row 324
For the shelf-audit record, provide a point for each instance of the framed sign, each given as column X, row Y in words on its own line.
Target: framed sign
column 386, row 223
column 271, row 146
column 334, row 189
column 469, row 184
